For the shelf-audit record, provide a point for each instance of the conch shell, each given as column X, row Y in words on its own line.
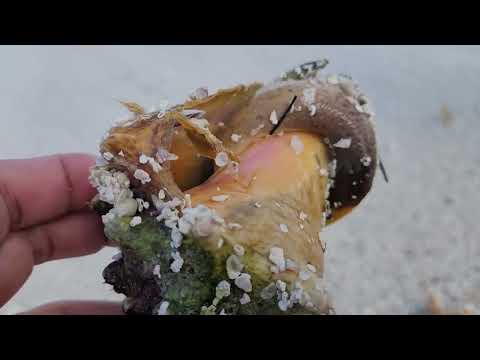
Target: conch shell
column 272, row 165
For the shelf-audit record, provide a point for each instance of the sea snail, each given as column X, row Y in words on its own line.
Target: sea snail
column 217, row 204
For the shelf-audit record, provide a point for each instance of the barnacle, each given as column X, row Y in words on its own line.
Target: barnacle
column 217, row 204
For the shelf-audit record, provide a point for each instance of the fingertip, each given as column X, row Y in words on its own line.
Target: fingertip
column 34, row 191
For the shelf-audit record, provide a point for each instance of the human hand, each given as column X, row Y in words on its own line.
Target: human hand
column 44, row 216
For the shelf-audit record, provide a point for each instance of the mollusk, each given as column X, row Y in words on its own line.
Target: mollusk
column 239, row 185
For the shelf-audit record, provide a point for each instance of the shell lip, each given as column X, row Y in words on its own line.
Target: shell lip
column 353, row 178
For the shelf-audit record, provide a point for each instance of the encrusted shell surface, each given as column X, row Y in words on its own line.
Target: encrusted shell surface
column 245, row 111
column 264, row 167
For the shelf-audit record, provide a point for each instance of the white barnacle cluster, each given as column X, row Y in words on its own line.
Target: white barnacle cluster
column 332, row 169
column 164, row 155
column 287, row 298
column 176, row 237
column 278, row 288
column 241, row 280
column 302, row 216
column 156, row 271
column 309, row 96
column 235, row 138
column 366, row 160
column 110, row 185
column 142, row 204
column 234, row 267
column 162, row 310
column 144, row 159
column 199, row 221
column 108, row 156
column 199, row 93
column 222, row 291
column 276, row 256
column 343, row 143
column 136, row 220
column 169, row 214
column 113, row 187
column 142, row 176
column 245, row 299
column 274, row 117
column 296, row 144
column 222, row 159
column 195, row 118
column 177, row 262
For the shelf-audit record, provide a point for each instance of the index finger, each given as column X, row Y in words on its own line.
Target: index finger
column 33, row 191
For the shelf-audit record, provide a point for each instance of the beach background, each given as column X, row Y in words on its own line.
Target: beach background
column 412, row 240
